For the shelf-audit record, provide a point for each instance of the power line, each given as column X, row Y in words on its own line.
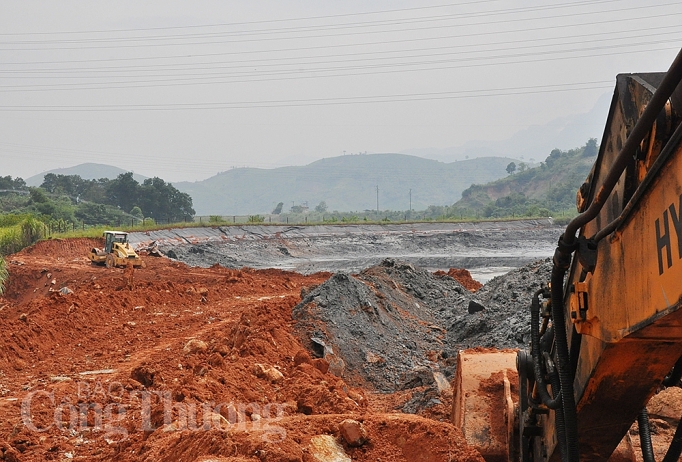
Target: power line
column 297, row 74
column 429, row 28
column 271, row 62
column 324, row 101
column 382, row 22
column 475, row 2
column 363, row 44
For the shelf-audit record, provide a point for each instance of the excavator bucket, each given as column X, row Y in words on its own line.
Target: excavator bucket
column 485, row 388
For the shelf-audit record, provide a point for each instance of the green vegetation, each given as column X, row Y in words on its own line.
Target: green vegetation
column 66, row 203
column 19, row 231
column 547, row 190
column 4, row 275
column 156, row 198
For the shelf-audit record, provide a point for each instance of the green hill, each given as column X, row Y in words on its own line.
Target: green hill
column 345, row 183
column 552, row 186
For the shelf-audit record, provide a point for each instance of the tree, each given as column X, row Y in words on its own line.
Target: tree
column 137, row 213
column 278, row 209
column 321, row 207
column 591, row 148
column 124, row 191
column 6, row 182
column 162, row 201
column 511, row 168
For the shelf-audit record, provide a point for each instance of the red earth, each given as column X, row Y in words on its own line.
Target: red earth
column 174, row 363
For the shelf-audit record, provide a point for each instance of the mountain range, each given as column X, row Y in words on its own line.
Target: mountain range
column 344, row 183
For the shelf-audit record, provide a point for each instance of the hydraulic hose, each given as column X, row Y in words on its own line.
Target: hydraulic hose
column 547, row 400
column 559, row 422
column 645, row 436
column 562, row 261
column 675, row 449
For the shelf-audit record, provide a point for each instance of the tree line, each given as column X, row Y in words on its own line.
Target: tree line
column 154, row 197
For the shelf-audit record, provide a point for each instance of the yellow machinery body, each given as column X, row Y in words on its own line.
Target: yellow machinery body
column 622, row 292
column 117, row 252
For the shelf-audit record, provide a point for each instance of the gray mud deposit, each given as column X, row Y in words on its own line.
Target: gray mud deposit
column 394, row 323
column 486, row 249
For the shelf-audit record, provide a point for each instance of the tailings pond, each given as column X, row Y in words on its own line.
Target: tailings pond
column 486, row 249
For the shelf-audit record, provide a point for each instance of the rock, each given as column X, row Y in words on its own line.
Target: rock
column 23, row 317
column 255, row 417
column 475, row 307
column 421, row 376
column 144, row 375
column 65, row 291
column 195, row 346
column 325, row 448
column 268, row 372
column 336, row 365
column 216, row 360
column 353, row 432
column 321, row 365
column 441, row 382
column 374, row 358
column 302, row 357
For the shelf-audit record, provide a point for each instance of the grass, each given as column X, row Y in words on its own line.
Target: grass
column 4, row 275
column 19, row 232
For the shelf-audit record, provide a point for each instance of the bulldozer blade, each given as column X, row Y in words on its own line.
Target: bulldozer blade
column 483, row 407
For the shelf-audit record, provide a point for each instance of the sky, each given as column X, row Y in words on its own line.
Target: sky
column 183, row 90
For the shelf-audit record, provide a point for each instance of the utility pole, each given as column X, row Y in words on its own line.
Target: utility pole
column 377, row 201
column 410, row 199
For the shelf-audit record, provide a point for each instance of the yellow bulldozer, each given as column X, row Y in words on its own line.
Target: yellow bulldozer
column 117, row 252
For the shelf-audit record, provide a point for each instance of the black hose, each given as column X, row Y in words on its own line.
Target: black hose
column 645, row 436
column 562, row 260
column 559, row 422
column 547, row 400
column 675, row 449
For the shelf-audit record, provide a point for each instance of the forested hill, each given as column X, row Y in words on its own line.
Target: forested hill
column 548, row 188
column 344, row 183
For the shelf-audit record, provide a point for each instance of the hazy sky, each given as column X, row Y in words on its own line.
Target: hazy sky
column 183, row 90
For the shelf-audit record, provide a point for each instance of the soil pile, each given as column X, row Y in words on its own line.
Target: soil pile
column 393, row 326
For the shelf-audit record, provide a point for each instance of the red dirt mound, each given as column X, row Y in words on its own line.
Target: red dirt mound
column 462, row 276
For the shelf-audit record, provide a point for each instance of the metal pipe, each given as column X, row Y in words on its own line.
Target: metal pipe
column 660, row 97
